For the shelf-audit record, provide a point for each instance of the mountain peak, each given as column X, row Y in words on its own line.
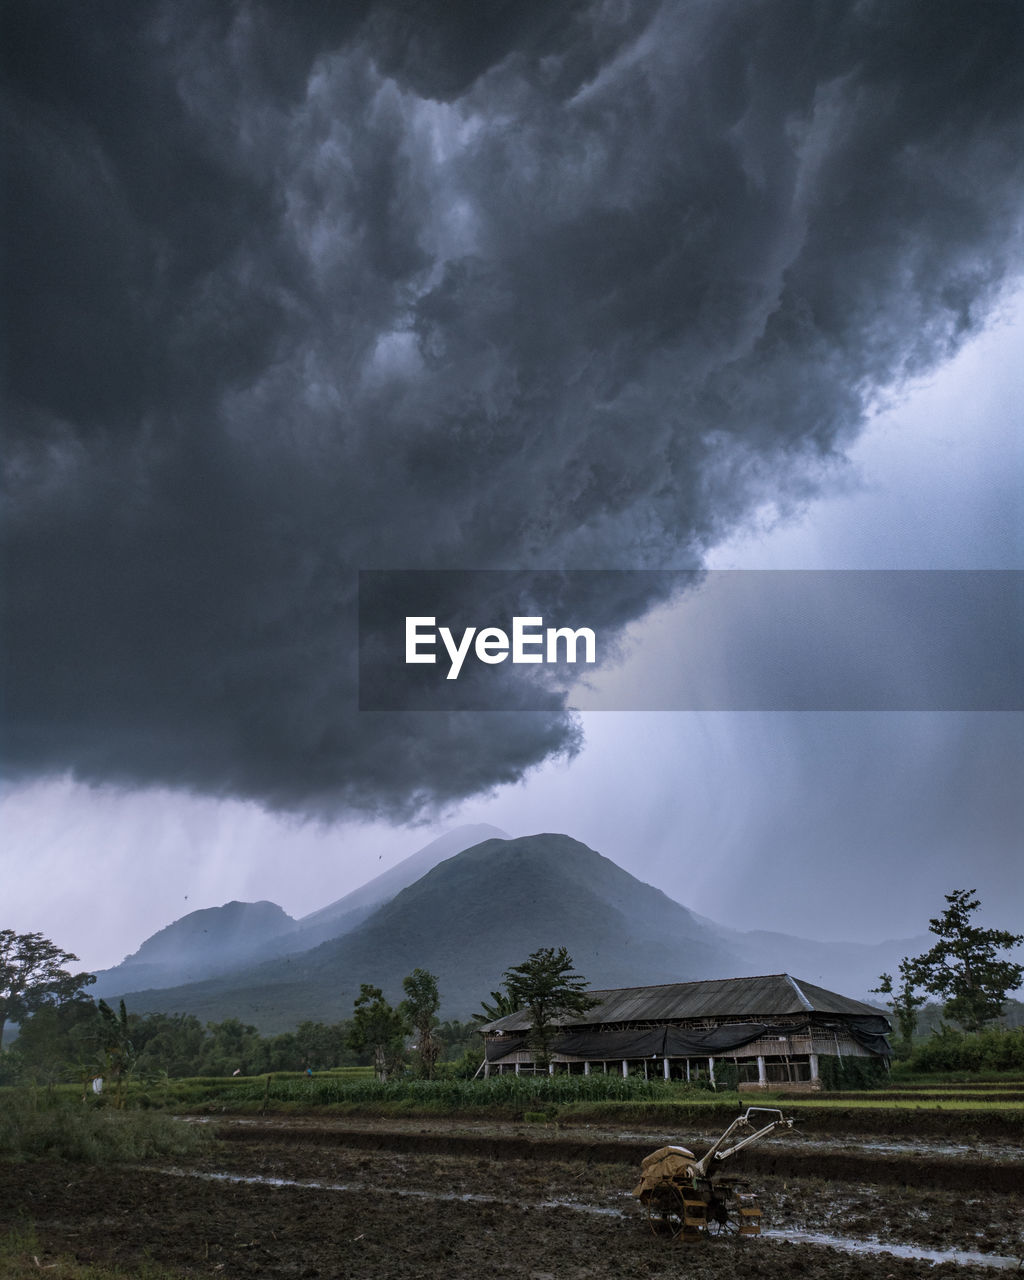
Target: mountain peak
column 217, row 931
column 470, row 916
column 384, row 887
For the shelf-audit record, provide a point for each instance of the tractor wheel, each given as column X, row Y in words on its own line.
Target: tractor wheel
column 665, row 1210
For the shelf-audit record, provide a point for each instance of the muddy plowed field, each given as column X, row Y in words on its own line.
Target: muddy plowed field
column 423, row 1199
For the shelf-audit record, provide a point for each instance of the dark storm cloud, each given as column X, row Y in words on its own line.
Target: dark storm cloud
column 455, row 286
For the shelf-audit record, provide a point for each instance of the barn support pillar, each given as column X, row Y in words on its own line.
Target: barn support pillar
column 517, row 1067
column 586, row 1068
column 551, row 1068
column 711, row 1071
column 666, row 1069
column 812, row 1058
column 762, row 1075
column 625, row 1067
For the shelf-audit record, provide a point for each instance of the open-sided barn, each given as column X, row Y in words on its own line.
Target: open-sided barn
column 774, row 1029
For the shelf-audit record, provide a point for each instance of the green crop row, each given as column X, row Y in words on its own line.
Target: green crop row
column 520, row 1093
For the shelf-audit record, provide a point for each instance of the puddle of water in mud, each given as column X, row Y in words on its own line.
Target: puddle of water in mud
column 962, row 1256
column 907, row 1146
column 992, row 1151
column 843, row 1243
column 414, row 1193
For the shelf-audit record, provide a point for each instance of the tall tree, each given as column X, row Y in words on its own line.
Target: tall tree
column 904, row 1001
column 169, row 1042
column 377, row 1027
column 419, row 1009
column 320, row 1044
column 32, row 975
column 55, row 1039
column 547, row 987
column 964, row 966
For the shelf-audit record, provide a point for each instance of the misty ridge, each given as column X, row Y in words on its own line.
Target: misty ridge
column 465, row 907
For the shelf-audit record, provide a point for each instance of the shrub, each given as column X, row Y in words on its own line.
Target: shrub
column 837, row 1073
column 36, row 1124
column 994, row 1049
column 727, row 1077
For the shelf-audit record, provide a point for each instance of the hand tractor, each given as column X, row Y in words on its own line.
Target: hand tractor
column 685, row 1198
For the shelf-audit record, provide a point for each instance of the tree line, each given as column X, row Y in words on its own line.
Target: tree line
column 63, row 1031
column 78, row 1039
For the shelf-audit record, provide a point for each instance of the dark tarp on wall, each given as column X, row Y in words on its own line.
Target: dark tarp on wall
column 869, row 1033
column 612, row 1044
column 502, row 1046
column 680, row 1042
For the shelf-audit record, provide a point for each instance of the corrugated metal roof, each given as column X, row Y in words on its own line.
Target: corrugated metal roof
column 756, row 998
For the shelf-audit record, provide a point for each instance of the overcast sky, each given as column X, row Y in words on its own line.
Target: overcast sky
column 578, row 286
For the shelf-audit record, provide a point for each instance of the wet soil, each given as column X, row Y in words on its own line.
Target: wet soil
column 469, row 1209
column 957, row 1167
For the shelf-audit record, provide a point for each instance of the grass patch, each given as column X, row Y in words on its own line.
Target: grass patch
column 904, row 1077
column 40, row 1125
column 923, row 1102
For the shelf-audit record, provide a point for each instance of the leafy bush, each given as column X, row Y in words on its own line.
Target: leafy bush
column 36, row 1124
column 727, row 1078
column 837, row 1073
column 994, row 1049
